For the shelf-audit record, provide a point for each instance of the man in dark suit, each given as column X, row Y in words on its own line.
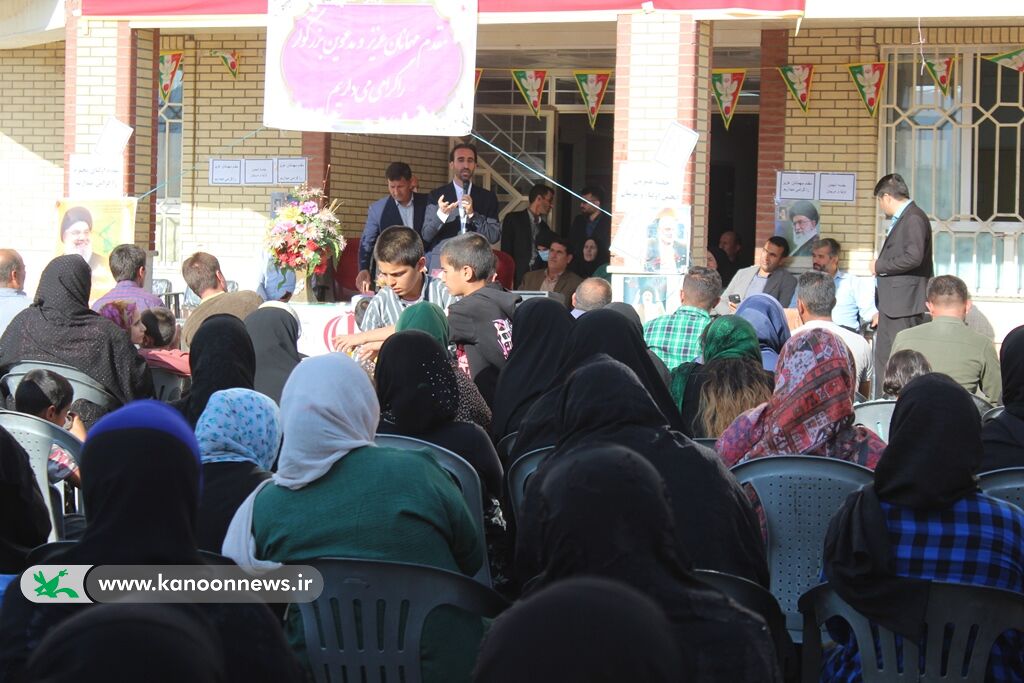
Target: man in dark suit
column 591, row 223
column 458, row 207
column 402, row 206
column 519, row 230
column 903, row 267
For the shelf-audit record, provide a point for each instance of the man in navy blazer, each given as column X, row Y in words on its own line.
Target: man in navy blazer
column 902, row 269
column 402, row 206
column 458, row 207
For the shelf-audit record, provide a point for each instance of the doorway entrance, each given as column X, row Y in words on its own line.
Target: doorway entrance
column 733, row 182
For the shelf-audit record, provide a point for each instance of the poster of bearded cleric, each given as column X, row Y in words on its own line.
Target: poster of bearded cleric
column 91, row 228
column 798, row 221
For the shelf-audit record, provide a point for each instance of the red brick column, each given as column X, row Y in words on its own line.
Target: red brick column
column 317, row 148
column 771, row 148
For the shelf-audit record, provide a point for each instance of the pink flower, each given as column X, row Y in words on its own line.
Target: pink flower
column 309, row 208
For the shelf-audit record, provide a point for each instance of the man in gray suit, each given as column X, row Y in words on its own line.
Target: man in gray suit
column 769, row 278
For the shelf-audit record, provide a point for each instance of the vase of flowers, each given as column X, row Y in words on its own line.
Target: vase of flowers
column 304, row 236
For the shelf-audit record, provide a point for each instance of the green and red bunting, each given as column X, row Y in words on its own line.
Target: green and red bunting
column 169, row 63
column 593, row 85
column 798, row 79
column 941, row 70
column 726, row 84
column 531, row 84
column 869, row 79
column 230, row 60
column 1013, row 60
column 476, row 81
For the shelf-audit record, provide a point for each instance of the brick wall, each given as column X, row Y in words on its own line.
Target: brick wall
column 142, row 145
column 771, row 135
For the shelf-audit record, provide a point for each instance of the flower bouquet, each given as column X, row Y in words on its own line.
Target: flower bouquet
column 304, row 234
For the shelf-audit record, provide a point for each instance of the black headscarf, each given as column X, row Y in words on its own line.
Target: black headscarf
column 24, row 518
column 1004, row 436
column 602, row 510
column 726, row 268
column 221, row 356
column 1011, row 363
column 634, row 318
column 600, row 331
column 585, row 630
column 415, row 383
column 275, row 336
column 929, row 464
column 584, row 268
column 715, row 524
column 59, row 327
column 539, row 328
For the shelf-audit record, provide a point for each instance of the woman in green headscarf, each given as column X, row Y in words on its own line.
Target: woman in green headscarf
column 430, row 318
column 729, row 380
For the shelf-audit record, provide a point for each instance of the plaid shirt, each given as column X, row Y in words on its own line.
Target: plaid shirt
column 675, row 338
column 979, row 541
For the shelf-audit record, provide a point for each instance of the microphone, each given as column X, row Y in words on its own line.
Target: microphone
column 462, row 209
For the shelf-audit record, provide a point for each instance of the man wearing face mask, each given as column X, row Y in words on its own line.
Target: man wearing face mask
column 556, row 252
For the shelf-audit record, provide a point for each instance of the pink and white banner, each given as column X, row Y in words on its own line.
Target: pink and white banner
column 382, row 67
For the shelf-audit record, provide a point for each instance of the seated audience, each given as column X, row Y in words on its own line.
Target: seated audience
column 24, row 519
column 127, row 316
column 47, row 395
column 633, row 317
column 222, row 357
column 769, row 320
column 923, row 519
column 480, row 322
column 902, row 367
column 592, row 294
column 203, row 276
column 728, row 381
column 239, row 435
column 676, row 337
column 13, row 299
column 59, row 327
column 275, row 284
column 160, row 342
column 580, row 630
column 949, row 345
column 592, row 257
column 1004, row 436
column 430, row 318
column 720, row 262
column 128, row 266
column 855, row 295
column 811, row 411
column 768, row 278
column 715, row 525
column 274, row 329
column 601, row 510
column 335, row 494
column 556, row 253
column 141, row 489
column 539, row 328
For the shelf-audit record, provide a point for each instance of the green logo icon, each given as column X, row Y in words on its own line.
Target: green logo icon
column 49, row 588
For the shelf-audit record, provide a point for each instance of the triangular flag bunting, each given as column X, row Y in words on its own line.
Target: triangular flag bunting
column 1013, row 60
column 941, row 71
column 169, row 63
column 727, row 84
column 593, row 85
column 230, row 60
column 798, row 79
column 476, row 81
column 869, row 80
column 531, row 84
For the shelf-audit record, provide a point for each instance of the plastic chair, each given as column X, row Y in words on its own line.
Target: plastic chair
column 876, row 416
column 169, row 386
column 37, row 436
column 960, row 613
column 992, row 414
column 505, row 445
column 85, row 387
column 706, row 441
column 366, row 624
column 465, row 476
column 1005, row 484
column 41, row 554
column 160, row 286
column 799, row 495
column 982, row 405
column 519, row 474
column 755, row 598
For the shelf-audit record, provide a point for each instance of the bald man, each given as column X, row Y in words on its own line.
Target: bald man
column 13, row 299
column 591, row 294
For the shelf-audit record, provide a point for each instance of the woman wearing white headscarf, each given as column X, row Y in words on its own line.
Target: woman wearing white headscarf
column 336, row 494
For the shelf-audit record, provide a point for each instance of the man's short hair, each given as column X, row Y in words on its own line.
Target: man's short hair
column 399, row 245
column 160, row 326
column 593, row 293
column 40, row 389
column 463, row 145
column 76, row 214
column 558, row 239
column 200, row 272
column 780, row 241
column 702, row 286
column 10, row 263
column 539, row 190
column 804, row 208
column 892, row 184
column 947, row 289
column 470, row 249
column 595, row 191
column 833, row 247
column 398, row 170
column 817, row 291
column 125, row 261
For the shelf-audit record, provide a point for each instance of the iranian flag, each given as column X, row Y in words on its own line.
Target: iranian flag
column 1012, row 60
column 593, row 85
column 531, row 84
column 869, row 79
column 798, row 79
column 941, row 71
column 726, row 84
column 168, row 66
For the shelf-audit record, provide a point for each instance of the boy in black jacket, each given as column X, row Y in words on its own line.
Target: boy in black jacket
column 480, row 324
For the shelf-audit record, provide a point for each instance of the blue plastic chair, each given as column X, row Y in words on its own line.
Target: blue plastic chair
column 85, row 387
column 1005, row 484
column 519, row 474
column 876, row 416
